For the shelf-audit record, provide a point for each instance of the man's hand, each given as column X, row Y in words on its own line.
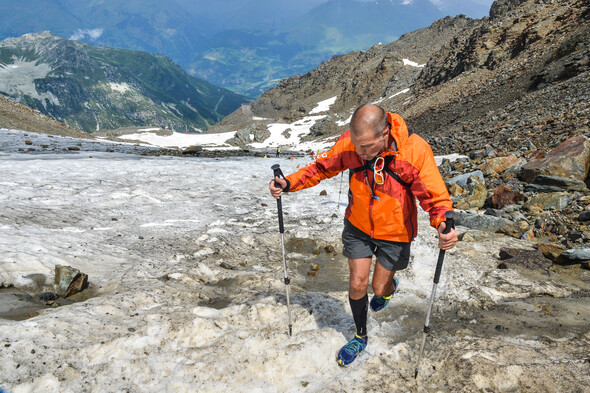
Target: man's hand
column 446, row 241
column 275, row 191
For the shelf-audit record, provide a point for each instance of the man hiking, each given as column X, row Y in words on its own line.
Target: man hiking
column 389, row 168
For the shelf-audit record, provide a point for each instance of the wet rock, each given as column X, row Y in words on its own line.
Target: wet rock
column 47, row 296
column 529, row 259
column 69, row 281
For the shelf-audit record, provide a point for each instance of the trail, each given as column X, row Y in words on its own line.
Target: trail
column 186, row 295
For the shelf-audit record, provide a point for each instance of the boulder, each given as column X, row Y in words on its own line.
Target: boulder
column 504, row 196
column 549, row 201
column 477, row 194
column 551, row 251
column 69, row 280
column 501, row 164
column 481, row 222
column 569, row 160
column 461, row 180
column 548, row 183
column 529, row 259
column 577, row 254
column 456, row 190
column 193, row 151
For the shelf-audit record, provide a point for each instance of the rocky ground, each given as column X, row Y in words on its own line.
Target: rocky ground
column 505, row 91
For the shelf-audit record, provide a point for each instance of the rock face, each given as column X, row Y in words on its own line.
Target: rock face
column 94, row 88
column 568, row 162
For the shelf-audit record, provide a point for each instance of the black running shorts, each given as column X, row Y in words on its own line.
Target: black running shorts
column 390, row 255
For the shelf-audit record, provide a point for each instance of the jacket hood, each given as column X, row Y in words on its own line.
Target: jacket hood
column 399, row 130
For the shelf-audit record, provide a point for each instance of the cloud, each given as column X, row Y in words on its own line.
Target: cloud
column 92, row 34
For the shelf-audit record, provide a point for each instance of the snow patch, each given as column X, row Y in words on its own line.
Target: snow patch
column 119, row 87
column 391, row 96
column 180, row 140
column 413, row 63
column 18, row 79
column 323, row 106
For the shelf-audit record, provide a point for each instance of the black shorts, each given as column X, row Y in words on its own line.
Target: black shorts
column 357, row 244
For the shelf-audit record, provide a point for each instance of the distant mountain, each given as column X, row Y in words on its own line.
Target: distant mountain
column 147, row 25
column 97, row 87
column 252, row 60
column 245, row 45
column 514, row 82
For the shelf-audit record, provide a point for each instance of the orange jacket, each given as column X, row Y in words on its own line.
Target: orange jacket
column 394, row 215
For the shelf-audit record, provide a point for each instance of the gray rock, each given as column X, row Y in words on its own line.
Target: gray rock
column 548, row 183
column 481, row 222
column 549, row 201
column 461, row 180
column 68, row 281
column 581, row 254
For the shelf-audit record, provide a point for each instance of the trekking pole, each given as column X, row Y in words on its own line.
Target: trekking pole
column 278, row 173
column 449, row 224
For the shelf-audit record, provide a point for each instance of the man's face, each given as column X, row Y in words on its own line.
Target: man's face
column 368, row 144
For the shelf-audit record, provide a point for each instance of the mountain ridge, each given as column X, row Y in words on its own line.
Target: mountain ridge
column 474, row 73
column 199, row 36
column 98, row 87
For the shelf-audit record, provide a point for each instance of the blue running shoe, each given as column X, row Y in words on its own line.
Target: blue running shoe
column 351, row 350
column 379, row 303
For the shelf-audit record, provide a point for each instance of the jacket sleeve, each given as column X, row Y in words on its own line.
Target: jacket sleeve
column 325, row 166
column 428, row 186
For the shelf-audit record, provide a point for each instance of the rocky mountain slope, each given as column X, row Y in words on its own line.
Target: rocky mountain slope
column 103, row 88
column 244, row 45
column 511, row 92
column 20, row 117
column 479, row 79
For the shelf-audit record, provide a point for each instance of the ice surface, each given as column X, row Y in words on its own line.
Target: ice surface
column 184, row 260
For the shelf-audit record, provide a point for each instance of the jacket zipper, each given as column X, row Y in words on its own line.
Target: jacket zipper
column 371, row 217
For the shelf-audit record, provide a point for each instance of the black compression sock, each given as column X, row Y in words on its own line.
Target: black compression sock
column 359, row 313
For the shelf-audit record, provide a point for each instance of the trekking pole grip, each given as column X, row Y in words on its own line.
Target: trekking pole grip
column 449, row 224
column 278, row 173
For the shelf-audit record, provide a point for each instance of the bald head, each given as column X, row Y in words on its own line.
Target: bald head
column 368, row 119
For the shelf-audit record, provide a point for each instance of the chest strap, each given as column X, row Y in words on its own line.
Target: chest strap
column 387, row 170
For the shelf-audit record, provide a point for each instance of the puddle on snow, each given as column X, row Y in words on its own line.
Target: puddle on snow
column 18, row 305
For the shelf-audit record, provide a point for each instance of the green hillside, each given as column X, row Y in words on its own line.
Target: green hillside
column 98, row 87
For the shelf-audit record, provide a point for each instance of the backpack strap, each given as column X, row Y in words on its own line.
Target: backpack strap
column 391, row 173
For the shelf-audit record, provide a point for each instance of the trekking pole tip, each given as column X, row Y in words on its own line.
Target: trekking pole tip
column 416, row 373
